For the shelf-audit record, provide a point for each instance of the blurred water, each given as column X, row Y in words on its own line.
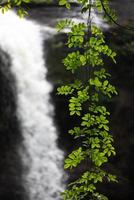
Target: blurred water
column 42, row 159
column 50, row 15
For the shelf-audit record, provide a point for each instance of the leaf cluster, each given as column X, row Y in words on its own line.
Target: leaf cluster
column 14, row 3
column 89, row 49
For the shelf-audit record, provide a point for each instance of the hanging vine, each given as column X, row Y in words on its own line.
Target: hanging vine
column 89, row 50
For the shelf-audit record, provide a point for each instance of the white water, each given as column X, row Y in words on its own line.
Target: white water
column 42, row 159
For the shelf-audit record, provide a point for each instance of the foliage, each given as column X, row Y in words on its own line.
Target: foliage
column 88, row 50
column 5, row 5
column 14, row 3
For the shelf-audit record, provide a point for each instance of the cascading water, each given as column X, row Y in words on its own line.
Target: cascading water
column 41, row 157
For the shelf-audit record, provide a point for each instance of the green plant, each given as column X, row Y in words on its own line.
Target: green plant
column 9, row 4
column 89, row 50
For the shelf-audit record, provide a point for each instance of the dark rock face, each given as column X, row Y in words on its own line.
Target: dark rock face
column 122, row 109
column 124, row 10
column 10, row 163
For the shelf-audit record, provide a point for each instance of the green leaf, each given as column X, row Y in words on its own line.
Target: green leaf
column 83, row 59
column 62, row 2
column 74, row 158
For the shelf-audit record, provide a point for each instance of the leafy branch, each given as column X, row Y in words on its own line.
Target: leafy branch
column 89, row 49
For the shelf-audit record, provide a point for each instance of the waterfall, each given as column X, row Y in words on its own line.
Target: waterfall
column 41, row 157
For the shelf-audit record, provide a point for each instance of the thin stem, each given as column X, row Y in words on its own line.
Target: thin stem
column 88, row 35
column 114, row 21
